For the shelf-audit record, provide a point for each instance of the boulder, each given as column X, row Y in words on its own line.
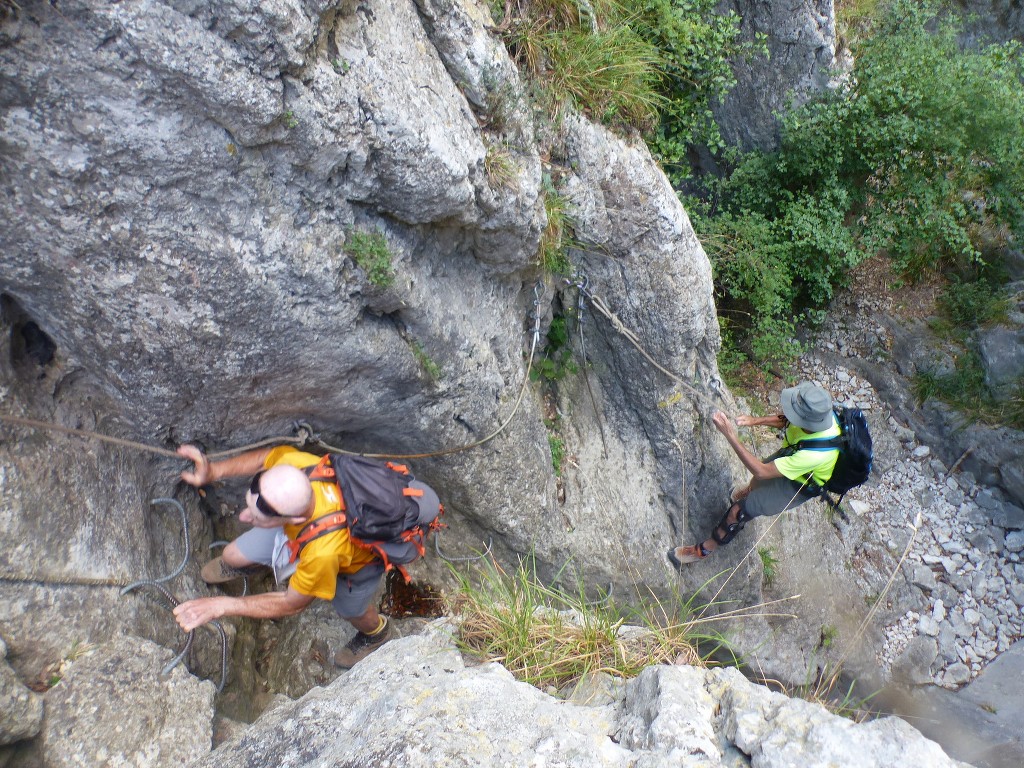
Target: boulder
column 1002, row 356
column 801, row 61
column 416, row 702
column 114, row 707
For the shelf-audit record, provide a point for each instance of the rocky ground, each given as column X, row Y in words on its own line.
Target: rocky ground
column 963, row 541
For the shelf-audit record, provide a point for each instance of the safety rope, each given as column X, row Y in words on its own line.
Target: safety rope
column 306, row 435
column 158, row 585
column 586, row 373
column 91, row 435
column 582, row 284
column 127, row 587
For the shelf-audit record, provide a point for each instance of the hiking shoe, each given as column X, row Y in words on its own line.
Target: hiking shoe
column 362, row 645
column 679, row 556
column 218, row 572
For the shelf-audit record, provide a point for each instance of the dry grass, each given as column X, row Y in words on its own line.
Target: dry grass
column 550, row 637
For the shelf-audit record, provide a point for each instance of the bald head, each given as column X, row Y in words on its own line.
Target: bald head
column 287, row 490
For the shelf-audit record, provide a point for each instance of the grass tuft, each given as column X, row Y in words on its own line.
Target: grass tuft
column 370, row 251
column 552, row 637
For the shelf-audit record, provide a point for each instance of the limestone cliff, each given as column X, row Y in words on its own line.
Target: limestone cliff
column 181, row 181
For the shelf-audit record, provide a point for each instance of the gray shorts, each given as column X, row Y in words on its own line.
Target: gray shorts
column 354, row 591
column 775, row 496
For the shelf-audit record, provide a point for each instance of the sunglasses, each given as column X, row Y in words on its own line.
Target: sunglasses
column 261, row 503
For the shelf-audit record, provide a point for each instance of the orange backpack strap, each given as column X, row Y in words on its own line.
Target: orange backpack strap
column 323, row 470
column 401, row 468
column 314, row 529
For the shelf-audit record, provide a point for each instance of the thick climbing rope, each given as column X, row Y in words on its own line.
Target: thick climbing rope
column 108, row 581
column 128, row 586
column 458, row 449
column 305, row 436
column 158, row 585
column 90, row 435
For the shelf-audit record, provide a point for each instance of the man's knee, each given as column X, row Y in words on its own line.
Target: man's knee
column 233, row 556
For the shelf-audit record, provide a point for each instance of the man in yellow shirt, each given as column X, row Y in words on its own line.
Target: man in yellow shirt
column 280, row 501
column 786, row 479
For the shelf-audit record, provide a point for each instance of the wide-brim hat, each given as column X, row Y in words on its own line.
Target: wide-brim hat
column 808, row 406
column 428, row 502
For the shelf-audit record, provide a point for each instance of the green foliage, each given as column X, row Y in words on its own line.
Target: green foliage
column 697, row 44
column 557, row 446
column 554, row 253
column 655, row 65
column 289, row 119
column 828, row 635
column 557, row 361
column 966, row 390
column 499, row 165
column 589, row 56
column 769, row 565
column 431, row 368
column 920, row 155
column 370, row 251
column 966, row 305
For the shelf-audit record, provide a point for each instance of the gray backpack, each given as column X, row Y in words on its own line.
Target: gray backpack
column 387, row 511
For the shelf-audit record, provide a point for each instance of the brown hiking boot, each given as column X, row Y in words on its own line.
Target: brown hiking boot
column 362, row 645
column 218, row 572
column 682, row 555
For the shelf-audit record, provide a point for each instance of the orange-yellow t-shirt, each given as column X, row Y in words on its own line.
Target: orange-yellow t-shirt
column 322, row 559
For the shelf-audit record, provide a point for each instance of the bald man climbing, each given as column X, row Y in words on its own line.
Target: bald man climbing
column 279, row 503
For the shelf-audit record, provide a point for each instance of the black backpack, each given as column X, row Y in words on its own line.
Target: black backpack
column 853, row 467
column 381, row 512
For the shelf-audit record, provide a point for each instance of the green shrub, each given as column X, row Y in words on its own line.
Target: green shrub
column 557, row 362
column 920, row 155
column 966, row 305
column 370, row 251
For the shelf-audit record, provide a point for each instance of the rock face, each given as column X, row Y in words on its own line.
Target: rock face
column 181, row 184
column 21, row 710
column 113, row 707
column 415, row 703
column 801, row 41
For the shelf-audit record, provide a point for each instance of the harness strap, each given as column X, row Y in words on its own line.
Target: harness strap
column 314, row 529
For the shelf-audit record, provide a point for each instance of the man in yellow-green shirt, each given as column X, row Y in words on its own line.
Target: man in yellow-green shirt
column 786, row 479
column 280, row 502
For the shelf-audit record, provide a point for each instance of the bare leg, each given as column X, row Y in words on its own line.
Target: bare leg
column 734, row 513
column 368, row 623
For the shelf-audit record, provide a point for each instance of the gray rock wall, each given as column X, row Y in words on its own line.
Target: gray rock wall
column 801, row 40
column 180, row 181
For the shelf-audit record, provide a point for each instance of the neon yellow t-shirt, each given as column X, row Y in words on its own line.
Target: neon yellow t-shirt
column 818, row 464
column 322, row 559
